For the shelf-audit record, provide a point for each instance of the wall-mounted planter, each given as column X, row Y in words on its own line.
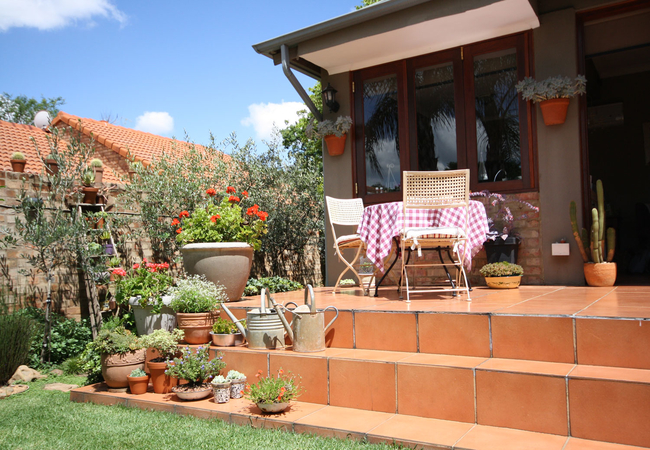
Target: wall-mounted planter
column 335, row 144
column 52, row 166
column 554, row 110
column 18, row 165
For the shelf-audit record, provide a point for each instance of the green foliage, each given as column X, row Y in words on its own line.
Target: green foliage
column 223, row 221
column 164, row 341
column 96, row 162
column 22, row 109
column 273, row 284
column 88, row 178
column 15, row 333
column 223, row 326
column 91, row 364
column 365, row 3
column 72, row 366
column 501, row 269
column 18, row 156
column 219, row 379
column 278, row 389
column 347, row 282
column 195, row 294
column 196, row 366
column 138, row 373
column 116, row 341
column 234, row 375
column 147, row 280
column 295, row 139
column 68, row 338
column 552, row 87
column 337, row 127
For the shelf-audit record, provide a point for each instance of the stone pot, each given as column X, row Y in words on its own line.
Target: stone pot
column 197, row 326
column 162, row 384
column 273, row 408
column 227, row 340
column 228, row 263
column 196, row 394
column 117, row 367
column 221, row 392
column 511, row 282
column 237, row 388
column 600, row 274
column 146, row 322
column 138, row 385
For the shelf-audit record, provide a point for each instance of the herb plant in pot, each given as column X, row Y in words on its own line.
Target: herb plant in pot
column 219, row 237
column 88, row 189
column 273, row 394
column 166, row 345
column 138, row 381
column 196, row 302
column 18, row 162
column 225, row 333
column 502, row 275
column 196, row 367
column 121, row 352
column 553, row 95
column 334, row 132
column 144, row 287
column 98, row 169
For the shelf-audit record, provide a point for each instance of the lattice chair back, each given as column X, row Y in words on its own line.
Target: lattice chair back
column 344, row 211
column 436, row 189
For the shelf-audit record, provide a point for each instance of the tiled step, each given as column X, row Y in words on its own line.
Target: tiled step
column 591, row 402
column 349, row 423
column 603, row 341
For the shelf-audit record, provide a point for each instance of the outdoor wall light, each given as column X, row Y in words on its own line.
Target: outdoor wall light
column 329, row 94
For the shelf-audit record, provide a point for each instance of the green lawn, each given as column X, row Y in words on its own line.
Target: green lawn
column 39, row 419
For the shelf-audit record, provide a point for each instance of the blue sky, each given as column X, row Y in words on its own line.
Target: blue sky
column 164, row 66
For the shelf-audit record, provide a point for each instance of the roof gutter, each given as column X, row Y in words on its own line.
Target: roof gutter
column 286, row 68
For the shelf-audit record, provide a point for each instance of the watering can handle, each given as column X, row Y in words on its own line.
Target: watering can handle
column 295, row 305
column 309, row 295
column 263, row 301
column 335, row 317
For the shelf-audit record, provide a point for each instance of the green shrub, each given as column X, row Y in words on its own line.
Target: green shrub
column 15, row 334
column 91, row 364
column 72, row 366
column 195, row 294
column 272, row 284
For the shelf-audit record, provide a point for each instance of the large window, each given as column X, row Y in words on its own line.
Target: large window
column 443, row 111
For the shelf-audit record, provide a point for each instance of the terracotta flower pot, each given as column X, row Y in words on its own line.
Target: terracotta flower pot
column 600, row 274
column 197, row 326
column 138, row 385
column 52, row 166
column 162, row 384
column 554, row 110
column 18, row 165
column 90, row 194
column 511, row 282
column 99, row 174
column 335, row 144
column 116, row 368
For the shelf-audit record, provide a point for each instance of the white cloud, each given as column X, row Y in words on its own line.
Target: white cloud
column 155, row 122
column 50, row 14
column 263, row 116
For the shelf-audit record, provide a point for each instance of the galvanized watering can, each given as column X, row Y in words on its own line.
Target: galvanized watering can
column 307, row 329
column 264, row 329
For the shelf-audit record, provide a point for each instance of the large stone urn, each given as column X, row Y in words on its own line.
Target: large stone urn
column 146, row 321
column 228, row 263
column 118, row 366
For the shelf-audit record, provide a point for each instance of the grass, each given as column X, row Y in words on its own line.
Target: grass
column 39, row 419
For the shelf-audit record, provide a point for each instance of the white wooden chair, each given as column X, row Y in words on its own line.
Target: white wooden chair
column 347, row 212
column 436, row 190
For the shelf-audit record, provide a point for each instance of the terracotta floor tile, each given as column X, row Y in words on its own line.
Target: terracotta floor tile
column 371, row 355
column 526, row 366
column 421, row 430
column 521, row 401
column 611, row 373
column 149, row 405
column 633, row 312
column 345, row 420
column 609, row 342
column 436, row 392
column 383, row 331
column 312, row 371
column 431, row 359
column 585, row 444
column 492, row 438
column 247, row 413
column 362, row 384
column 533, row 338
column 341, row 333
column 454, row 334
column 610, row 411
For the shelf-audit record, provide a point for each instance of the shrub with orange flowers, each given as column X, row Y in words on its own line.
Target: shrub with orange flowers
column 148, row 280
column 278, row 389
column 223, row 218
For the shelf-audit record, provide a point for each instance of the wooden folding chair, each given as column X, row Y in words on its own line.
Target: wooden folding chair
column 436, row 190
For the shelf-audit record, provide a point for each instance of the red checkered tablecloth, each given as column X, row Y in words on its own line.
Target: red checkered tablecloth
column 381, row 223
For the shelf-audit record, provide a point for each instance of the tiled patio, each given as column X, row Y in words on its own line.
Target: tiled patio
column 539, row 367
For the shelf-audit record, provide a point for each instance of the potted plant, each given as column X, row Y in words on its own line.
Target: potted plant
column 108, row 247
column 596, row 254
column 196, row 302
column 237, row 383
column 221, row 389
column 143, row 287
column 98, row 169
column 138, row 381
column 502, row 275
column 166, row 345
column 197, row 368
column 52, row 164
column 225, row 333
column 89, row 191
column 121, row 352
column 273, row 394
column 503, row 212
column 218, row 238
column 333, row 132
column 552, row 94
column 18, row 162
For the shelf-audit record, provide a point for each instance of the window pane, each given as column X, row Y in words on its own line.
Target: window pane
column 381, row 142
column 497, row 116
column 436, row 119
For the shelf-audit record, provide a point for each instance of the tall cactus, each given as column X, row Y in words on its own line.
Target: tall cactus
column 592, row 245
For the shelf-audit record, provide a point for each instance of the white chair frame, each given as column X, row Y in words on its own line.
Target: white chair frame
column 436, row 190
column 347, row 212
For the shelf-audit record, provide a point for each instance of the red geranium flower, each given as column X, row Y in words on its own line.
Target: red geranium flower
column 215, row 218
column 211, row 192
column 175, row 222
column 244, row 194
column 252, row 210
column 262, row 215
column 230, row 190
column 184, row 214
column 119, row 271
column 233, row 199
column 136, row 266
column 179, row 230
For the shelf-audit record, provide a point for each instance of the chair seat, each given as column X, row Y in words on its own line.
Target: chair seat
column 433, row 233
column 350, row 240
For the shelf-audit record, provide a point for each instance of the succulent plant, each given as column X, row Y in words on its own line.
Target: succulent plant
column 88, row 178
column 18, row 156
column 96, row 163
column 553, row 87
column 501, row 269
column 592, row 244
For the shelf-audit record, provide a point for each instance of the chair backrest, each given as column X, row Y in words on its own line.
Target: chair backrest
column 344, row 211
column 436, row 189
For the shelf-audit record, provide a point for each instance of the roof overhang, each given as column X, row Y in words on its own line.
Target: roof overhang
column 396, row 29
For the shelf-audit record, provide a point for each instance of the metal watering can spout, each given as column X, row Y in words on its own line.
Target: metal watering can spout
column 279, row 309
column 235, row 320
